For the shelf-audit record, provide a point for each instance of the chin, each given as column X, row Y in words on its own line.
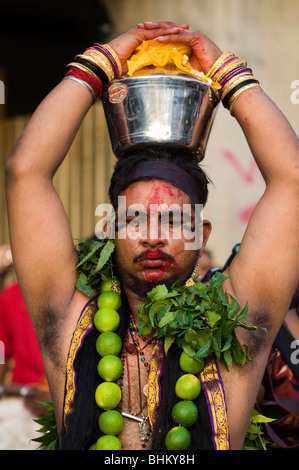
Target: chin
column 141, row 287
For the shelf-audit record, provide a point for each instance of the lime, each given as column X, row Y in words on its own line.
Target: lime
column 110, row 368
column 106, row 319
column 178, row 438
column 190, row 365
column 108, row 283
column 111, row 422
column 109, row 299
column 187, row 387
column 108, row 395
column 108, row 443
column 184, row 413
column 108, row 343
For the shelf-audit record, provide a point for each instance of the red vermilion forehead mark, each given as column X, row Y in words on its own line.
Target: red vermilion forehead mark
column 159, row 190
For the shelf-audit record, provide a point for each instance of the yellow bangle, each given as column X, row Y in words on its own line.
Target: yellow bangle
column 239, row 93
column 101, row 61
column 115, row 56
column 83, row 68
column 220, row 61
column 233, row 82
column 228, row 68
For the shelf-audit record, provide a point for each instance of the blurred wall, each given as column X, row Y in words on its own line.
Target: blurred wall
column 266, row 34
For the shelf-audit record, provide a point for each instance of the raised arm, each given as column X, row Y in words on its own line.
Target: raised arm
column 41, row 240
column 266, row 269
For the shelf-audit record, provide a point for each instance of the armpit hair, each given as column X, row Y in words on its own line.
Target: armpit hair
column 257, row 340
column 48, row 330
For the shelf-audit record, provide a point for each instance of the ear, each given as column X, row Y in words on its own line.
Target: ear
column 206, row 231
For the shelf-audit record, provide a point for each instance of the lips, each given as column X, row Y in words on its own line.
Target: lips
column 154, row 260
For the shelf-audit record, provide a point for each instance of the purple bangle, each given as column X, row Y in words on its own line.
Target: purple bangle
column 109, row 56
column 225, row 63
column 233, row 73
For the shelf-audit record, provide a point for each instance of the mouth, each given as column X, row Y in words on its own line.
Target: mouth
column 154, row 263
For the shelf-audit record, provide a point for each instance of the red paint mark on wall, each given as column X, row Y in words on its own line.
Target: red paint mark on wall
column 245, row 214
column 246, row 175
column 249, row 176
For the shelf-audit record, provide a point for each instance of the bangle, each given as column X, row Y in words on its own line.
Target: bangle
column 92, row 69
column 226, row 55
column 85, row 84
column 236, row 96
column 233, row 83
column 234, row 73
column 100, row 61
column 95, row 68
column 112, row 56
column 231, row 94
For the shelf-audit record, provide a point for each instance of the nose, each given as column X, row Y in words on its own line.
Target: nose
column 154, row 236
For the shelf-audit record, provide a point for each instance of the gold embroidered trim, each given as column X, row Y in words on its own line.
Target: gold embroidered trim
column 153, row 391
column 84, row 325
column 214, row 393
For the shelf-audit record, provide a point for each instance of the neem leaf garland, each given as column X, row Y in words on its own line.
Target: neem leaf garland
column 201, row 319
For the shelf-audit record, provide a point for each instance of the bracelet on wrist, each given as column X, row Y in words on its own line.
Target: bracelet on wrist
column 234, row 77
column 95, row 68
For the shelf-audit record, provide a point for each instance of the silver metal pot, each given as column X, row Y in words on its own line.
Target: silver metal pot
column 159, row 109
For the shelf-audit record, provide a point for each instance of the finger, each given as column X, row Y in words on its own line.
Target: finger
column 161, row 24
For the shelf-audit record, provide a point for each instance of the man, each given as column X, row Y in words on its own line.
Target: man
column 264, row 272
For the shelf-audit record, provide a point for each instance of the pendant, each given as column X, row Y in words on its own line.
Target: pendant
column 144, row 425
column 145, row 429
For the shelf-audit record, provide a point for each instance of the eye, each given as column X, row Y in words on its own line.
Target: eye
column 173, row 219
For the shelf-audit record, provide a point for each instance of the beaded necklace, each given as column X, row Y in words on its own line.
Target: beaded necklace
column 200, row 319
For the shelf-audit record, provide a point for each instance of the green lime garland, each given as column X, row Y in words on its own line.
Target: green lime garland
column 110, row 368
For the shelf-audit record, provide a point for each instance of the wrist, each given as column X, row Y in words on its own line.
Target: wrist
column 95, row 68
column 233, row 76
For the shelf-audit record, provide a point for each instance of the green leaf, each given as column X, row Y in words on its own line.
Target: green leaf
column 159, row 292
column 212, row 317
column 169, row 340
column 218, row 279
column 243, row 314
column 94, row 245
column 104, row 256
column 228, row 357
column 167, row 318
column 83, row 286
column 233, row 308
column 204, row 351
column 182, row 318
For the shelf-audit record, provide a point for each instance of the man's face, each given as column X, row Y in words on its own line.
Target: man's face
column 150, row 244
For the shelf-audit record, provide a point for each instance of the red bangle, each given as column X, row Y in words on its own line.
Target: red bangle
column 93, row 82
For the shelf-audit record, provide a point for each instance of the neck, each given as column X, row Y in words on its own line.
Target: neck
column 134, row 300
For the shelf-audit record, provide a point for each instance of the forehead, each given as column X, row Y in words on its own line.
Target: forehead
column 154, row 192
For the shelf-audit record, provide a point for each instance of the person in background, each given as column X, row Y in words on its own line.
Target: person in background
column 22, row 377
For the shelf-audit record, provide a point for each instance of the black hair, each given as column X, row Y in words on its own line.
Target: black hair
column 182, row 158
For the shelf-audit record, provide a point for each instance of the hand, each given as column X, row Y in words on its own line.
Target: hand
column 205, row 52
column 125, row 44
